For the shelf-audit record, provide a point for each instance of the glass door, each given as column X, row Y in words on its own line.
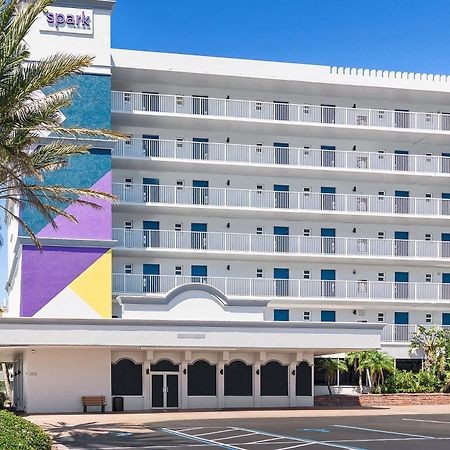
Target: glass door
column 165, row 390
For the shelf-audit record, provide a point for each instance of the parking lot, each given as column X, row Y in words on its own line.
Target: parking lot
column 431, row 432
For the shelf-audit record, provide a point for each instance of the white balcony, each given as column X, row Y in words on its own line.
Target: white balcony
column 267, row 288
column 402, row 333
column 316, row 204
column 189, row 243
column 281, row 157
column 199, row 106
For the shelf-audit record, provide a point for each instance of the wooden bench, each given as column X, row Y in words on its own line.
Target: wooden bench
column 93, row 400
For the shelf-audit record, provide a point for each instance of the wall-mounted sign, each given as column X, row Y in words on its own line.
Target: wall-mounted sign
column 68, row 20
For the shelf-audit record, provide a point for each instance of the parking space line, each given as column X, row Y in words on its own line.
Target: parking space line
column 199, row 439
column 425, row 420
column 227, row 430
column 304, row 441
column 235, row 437
column 384, row 431
column 190, row 429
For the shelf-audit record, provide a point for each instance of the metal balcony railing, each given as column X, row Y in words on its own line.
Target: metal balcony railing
column 202, row 106
column 402, row 333
column 293, row 288
column 284, row 244
column 284, row 156
column 281, row 200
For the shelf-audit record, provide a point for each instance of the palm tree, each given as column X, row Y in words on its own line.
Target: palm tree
column 331, row 366
column 357, row 360
column 27, row 114
column 377, row 364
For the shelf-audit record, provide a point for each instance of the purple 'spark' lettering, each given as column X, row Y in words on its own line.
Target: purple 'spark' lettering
column 58, row 20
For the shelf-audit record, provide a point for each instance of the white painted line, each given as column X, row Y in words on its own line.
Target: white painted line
column 297, row 446
column 304, row 441
column 384, row 431
column 235, row 437
column 190, row 429
column 200, row 439
column 263, row 441
column 228, row 430
column 424, row 420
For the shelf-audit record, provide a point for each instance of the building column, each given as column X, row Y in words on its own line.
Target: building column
column 184, row 399
column 292, row 382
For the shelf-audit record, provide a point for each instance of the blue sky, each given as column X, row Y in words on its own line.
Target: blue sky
column 406, row 35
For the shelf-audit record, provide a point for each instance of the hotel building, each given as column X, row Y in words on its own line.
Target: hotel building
column 268, row 214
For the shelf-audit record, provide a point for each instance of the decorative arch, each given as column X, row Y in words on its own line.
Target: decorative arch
column 164, row 365
column 217, row 294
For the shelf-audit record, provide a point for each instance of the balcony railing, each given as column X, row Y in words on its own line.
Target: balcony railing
column 284, row 244
column 278, row 111
column 284, row 156
column 402, row 333
column 281, row 200
column 279, row 288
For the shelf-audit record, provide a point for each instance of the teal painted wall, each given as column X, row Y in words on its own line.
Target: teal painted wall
column 91, row 107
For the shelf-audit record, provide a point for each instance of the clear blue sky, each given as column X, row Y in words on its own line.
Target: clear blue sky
column 406, row 35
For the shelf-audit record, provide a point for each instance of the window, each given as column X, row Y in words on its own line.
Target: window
column 128, row 224
column 128, row 182
column 380, row 317
column 428, row 117
column 428, row 318
column 428, row 196
column 202, row 379
column 180, row 184
column 274, row 379
column 306, row 109
column 306, row 274
column 380, row 114
column 381, row 276
column 178, row 227
column 306, row 150
column 259, row 273
column 126, row 378
column 306, row 315
column 428, row 277
column 258, row 106
column 127, row 141
column 306, row 191
column 381, row 193
column 381, row 235
column 127, row 97
column 259, row 188
column 428, row 236
column 259, row 147
column 180, row 142
column 259, row 230
column 281, row 315
column 128, row 269
column 328, row 316
column 178, row 270
column 306, row 231
column 180, row 100
column 238, row 379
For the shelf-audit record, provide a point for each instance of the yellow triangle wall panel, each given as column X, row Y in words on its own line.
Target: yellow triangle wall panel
column 94, row 285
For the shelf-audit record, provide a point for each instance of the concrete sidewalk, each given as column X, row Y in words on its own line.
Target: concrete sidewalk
column 135, row 419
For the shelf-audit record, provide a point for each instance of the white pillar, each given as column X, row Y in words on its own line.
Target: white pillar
column 183, row 385
column 257, row 384
column 292, row 377
column 146, row 384
column 221, row 384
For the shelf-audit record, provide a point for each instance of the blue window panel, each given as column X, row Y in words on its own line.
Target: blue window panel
column 200, row 227
column 401, row 277
column 328, row 275
column 328, row 316
column 151, row 278
column 446, row 319
column 281, row 315
column 328, row 190
column 281, row 231
column 328, row 232
column 401, row 318
column 199, row 274
column 401, row 235
column 404, row 194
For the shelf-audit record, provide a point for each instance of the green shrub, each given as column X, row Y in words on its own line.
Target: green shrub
column 18, row 433
column 410, row 382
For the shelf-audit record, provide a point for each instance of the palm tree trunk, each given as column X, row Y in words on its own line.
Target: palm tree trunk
column 7, row 384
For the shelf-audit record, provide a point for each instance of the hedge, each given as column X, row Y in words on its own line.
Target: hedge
column 18, row 433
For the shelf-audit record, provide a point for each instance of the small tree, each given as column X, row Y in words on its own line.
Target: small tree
column 331, row 366
column 434, row 343
column 378, row 363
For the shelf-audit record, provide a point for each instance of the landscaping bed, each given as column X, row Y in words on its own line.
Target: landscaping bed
column 381, row 400
column 18, row 433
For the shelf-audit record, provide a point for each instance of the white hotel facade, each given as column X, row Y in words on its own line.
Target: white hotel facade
column 268, row 214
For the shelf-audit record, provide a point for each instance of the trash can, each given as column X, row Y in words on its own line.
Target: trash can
column 117, row 404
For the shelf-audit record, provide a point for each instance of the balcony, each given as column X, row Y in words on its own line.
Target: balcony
column 267, row 288
column 402, row 333
column 282, row 157
column 281, row 112
column 258, row 245
column 283, row 201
